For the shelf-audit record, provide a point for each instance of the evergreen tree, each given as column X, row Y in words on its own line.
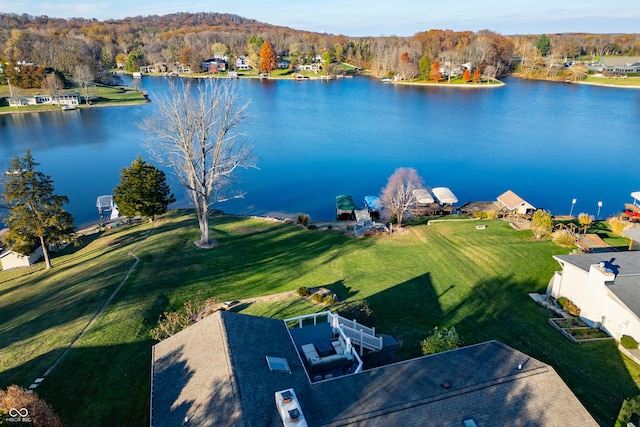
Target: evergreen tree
column 36, row 215
column 143, row 190
column 543, row 44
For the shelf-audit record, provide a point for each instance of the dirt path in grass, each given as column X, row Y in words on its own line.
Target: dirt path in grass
column 95, row 316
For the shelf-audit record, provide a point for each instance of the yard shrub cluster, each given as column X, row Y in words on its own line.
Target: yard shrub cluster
column 569, row 305
column 628, row 342
column 617, row 225
column 304, row 219
column 326, row 299
column 170, row 323
column 564, row 238
column 39, row 411
column 360, row 311
column 441, row 340
column 303, row 291
column 485, row 215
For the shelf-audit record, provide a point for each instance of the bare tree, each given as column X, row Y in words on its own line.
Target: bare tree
column 84, row 76
column 397, row 197
column 53, row 84
column 195, row 133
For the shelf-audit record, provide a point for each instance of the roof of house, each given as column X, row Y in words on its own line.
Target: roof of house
column 626, row 265
column 215, row 373
column 612, row 61
column 512, row 201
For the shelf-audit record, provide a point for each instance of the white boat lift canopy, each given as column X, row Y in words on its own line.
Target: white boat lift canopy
column 423, row 197
column 444, row 195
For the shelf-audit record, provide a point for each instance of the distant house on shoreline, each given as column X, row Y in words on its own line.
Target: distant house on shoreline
column 617, row 65
column 69, row 98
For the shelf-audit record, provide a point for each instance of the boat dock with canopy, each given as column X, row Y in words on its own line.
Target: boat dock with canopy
column 345, row 208
column 444, row 196
column 104, row 204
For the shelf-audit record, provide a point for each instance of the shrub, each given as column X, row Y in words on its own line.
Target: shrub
column 628, row 342
column 630, row 409
column 441, row 340
column 569, row 306
column 617, row 225
column 360, row 311
column 480, row 215
column 312, row 227
column 304, row 219
column 329, row 299
column 316, row 298
column 541, row 223
column 303, row 291
column 170, row 323
column 39, row 411
column 564, row 238
column 492, row 214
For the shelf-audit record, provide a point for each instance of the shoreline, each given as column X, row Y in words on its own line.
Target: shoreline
column 496, row 84
column 581, row 82
column 79, row 107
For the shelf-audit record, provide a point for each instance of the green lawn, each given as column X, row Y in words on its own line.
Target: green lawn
column 628, row 81
column 443, row 274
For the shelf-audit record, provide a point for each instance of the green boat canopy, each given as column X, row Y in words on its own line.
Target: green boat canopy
column 345, row 203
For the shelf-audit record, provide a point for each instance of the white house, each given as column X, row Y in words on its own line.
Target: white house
column 606, row 288
column 67, row 98
column 13, row 259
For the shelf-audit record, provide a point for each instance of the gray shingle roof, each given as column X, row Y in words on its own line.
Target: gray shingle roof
column 216, row 371
column 626, row 285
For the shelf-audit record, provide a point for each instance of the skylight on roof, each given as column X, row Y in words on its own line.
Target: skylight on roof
column 278, row 364
column 469, row 422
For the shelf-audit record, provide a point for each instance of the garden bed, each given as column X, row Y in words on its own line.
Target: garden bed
column 577, row 331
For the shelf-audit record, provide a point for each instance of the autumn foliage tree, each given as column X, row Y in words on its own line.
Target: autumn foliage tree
column 466, row 76
column 476, row 75
column 267, row 57
column 29, row 405
column 435, row 73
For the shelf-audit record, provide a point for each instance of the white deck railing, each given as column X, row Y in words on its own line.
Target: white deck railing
column 361, row 335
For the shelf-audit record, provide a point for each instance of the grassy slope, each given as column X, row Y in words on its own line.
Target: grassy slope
column 442, row 274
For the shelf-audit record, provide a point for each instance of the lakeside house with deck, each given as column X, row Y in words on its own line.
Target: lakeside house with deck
column 242, row 370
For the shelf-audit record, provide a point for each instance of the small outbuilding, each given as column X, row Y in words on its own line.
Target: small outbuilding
column 13, row 259
column 514, row 204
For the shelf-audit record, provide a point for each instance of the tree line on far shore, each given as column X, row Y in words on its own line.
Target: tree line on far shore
column 60, row 45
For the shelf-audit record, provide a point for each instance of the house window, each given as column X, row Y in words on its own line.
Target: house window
column 278, row 364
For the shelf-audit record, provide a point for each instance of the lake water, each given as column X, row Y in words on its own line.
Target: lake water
column 548, row 142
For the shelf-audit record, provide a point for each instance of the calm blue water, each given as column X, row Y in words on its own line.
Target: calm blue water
column 548, row 142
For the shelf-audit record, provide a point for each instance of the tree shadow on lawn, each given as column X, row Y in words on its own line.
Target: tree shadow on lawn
column 103, row 385
column 244, row 266
column 500, row 308
column 409, row 310
column 63, row 294
column 343, row 292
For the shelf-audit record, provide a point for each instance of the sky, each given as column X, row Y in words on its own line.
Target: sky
column 356, row 18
